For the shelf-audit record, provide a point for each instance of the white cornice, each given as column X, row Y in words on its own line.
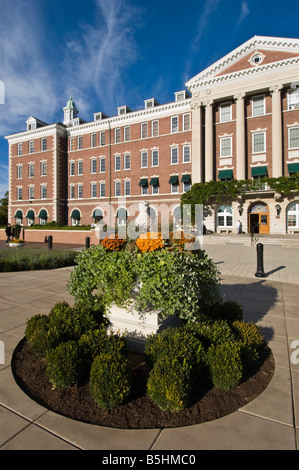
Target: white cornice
column 265, row 43
column 45, row 130
column 131, row 117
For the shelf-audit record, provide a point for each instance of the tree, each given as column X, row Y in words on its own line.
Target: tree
column 4, row 209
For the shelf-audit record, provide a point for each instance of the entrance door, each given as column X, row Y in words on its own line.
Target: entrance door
column 259, row 219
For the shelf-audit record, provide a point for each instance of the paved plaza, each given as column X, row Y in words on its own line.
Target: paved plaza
column 270, row 422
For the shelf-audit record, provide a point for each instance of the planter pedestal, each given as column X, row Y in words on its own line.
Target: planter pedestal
column 16, row 245
column 137, row 325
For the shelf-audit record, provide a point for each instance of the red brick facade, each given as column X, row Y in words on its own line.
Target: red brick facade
column 236, row 120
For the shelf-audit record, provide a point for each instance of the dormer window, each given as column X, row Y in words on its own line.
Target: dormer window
column 123, row 110
column 181, row 95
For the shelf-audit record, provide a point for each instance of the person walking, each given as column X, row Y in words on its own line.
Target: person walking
column 8, row 233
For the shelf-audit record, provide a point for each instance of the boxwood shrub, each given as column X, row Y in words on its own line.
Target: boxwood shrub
column 225, row 364
column 169, row 383
column 110, row 379
column 63, row 365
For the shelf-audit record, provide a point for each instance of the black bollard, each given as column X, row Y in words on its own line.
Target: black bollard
column 50, row 238
column 260, row 260
column 87, row 242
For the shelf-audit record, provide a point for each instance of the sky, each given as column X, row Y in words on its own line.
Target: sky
column 110, row 53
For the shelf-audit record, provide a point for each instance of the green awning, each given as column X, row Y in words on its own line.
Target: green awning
column 30, row 214
column 143, row 182
column 75, row 214
column 186, row 179
column 96, row 213
column 19, row 215
column 225, row 174
column 43, row 214
column 174, row 180
column 293, row 168
column 154, row 181
column 259, row 171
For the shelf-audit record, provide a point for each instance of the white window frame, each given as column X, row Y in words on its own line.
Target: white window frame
column 102, row 164
column 117, row 162
column 174, row 150
column 72, row 168
column 31, row 170
column 31, row 192
column 93, row 190
column 43, row 144
column 43, row 168
column 255, row 99
column 290, row 139
column 226, row 151
column 225, row 214
column 117, row 135
column 79, row 142
column 127, row 161
column 93, row 140
column 174, row 124
column 226, row 112
column 155, row 157
column 155, row 128
column 20, row 193
column 294, row 213
column 127, row 133
column 31, row 146
column 43, row 191
column 72, row 144
column 117, row 188
column 144, row 190
column 186, row 187
column 20, row 149
column 20, row 172
column 253, row 142
column 127, row 187
column 80, row 191
column 93, row 165
column 102, row 187
column 187, row 153
column 143, row 155
column 187, row 122
column 175, row 187
column 79, row 167
column 144, row 130
column 155, row 189
column 72, row 191
column 102, row 138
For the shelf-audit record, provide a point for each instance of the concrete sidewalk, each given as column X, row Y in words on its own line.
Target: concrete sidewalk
column 270, row 422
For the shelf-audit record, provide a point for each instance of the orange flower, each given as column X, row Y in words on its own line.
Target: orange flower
column 150, row 241
column 113, row 243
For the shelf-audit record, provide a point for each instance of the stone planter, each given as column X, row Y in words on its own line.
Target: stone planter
column 16, row 245
column 136, row 326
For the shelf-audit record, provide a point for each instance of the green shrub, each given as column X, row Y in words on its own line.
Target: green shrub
column 251, row 340
column 173, row 282
column 64, row 365
column 225, row 364
column 110, row 380
column 176, row 343
column 169, row 384
column 37, row 334
column 95, row 342
column 25, row 259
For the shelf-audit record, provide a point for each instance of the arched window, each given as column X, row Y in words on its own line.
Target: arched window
column 293, row 215
column 122, row 216
column 225, row 216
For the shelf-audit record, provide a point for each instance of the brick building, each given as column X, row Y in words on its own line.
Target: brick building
column 239, row 118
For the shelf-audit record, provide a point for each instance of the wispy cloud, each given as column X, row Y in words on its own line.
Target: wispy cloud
column 244, row 12
column 102, row 52
column 25, row 71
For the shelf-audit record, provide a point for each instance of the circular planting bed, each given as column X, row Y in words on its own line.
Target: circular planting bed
column 138, row 411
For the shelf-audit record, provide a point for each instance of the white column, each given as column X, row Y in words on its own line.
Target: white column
column 197, row 151
column 276, row 132
column 240, row 137
column 209, row 156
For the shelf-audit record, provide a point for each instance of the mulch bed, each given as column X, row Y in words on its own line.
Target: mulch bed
column 139, row 412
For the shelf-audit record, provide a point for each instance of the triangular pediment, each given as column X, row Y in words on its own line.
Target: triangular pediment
column 257, row 53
